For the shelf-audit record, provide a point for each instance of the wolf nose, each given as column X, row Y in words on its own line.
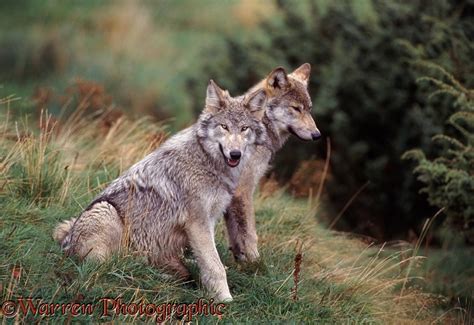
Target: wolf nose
column 235, row 154
column 316, row 135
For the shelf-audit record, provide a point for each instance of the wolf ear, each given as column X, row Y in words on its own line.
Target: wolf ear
column 303, row 72
column 277, row 79
column 216, row 98
column 255, row 103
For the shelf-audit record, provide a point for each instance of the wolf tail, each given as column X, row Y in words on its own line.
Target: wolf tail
column 95, row 234
column 62, row 230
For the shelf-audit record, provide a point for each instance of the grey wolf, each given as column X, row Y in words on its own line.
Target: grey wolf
column 287, row 111
column 173, row 197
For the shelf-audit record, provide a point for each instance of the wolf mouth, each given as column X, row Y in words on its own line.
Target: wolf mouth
column 290, row 129
column 231, row 162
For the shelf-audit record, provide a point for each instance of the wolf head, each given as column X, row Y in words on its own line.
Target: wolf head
column 289, row 104
column 228, row 126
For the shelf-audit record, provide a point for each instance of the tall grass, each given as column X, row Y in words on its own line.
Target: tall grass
column 40, row 173
column 44, row 165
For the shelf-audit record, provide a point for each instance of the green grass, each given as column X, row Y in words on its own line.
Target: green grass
column 49, row 175
column 450, row 273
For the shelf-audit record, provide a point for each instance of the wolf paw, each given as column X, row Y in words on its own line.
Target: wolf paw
column 223, row 298
column 248, row 255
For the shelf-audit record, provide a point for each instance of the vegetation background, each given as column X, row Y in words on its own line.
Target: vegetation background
column 392, row 91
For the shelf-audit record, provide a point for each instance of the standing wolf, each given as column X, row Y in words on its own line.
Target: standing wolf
column 288, row 111
column 174, row 196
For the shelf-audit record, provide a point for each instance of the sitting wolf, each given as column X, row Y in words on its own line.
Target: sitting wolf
column 287, row 111
column 174, row 196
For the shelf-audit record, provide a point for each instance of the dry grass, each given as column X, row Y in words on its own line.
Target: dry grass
column 46, row 164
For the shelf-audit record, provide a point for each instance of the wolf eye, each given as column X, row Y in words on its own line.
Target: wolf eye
column 296, row 108
column 224, row 127
column 244, row 128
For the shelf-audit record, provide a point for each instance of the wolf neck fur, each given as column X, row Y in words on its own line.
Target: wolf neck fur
column 275, row 135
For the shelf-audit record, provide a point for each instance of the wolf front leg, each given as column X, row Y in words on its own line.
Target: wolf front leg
column 214, row 279
column 240, row 222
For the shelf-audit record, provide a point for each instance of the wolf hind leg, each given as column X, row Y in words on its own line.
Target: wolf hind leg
column 175, row 266
column 96, row 234
column 170, row 258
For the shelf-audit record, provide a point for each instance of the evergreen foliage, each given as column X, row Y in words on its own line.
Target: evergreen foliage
column 448, row 178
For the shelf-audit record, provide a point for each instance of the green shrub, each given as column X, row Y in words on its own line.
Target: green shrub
column 364, row 92
column 448, row 179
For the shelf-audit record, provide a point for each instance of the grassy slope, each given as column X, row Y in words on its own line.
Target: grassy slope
column 342, row 280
